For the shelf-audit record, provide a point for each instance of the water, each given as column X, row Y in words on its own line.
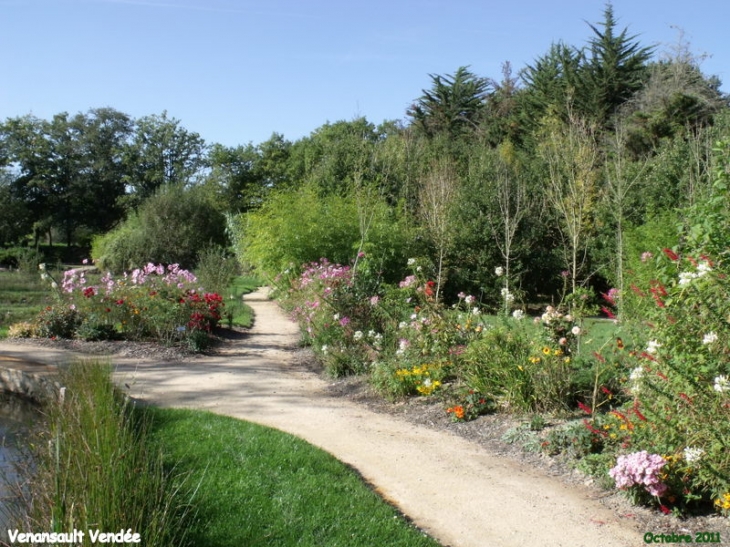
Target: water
column 17, row 418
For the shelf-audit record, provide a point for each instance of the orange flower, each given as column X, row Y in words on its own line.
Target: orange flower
column 457, row 410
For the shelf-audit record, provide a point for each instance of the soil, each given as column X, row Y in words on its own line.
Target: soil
column 458, row 482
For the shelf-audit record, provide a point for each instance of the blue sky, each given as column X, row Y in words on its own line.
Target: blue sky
column 235, row 71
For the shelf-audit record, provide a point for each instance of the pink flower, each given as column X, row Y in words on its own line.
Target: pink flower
column 345, row 321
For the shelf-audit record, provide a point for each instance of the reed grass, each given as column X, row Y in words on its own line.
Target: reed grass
column 95, row 470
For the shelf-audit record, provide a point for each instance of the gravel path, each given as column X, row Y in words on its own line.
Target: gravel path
column 455, row 490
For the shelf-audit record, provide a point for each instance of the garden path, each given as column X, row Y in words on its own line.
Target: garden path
column 453, row 489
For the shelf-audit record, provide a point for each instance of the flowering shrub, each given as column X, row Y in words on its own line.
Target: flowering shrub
column 154, row 302
column 677, row 389
column 681, row 380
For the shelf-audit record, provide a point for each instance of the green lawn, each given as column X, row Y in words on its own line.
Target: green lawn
column 22, row 296
column 238, row 314
column 259, row 486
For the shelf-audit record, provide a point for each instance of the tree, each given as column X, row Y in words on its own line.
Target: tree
column 233, row 177
column 512, row 198
column 592, row 82
column 453, row 105
column 622, row 176
column 616, row 69
column 571, row 154
column 160, row 153
column 68, row 171
column 439, row 189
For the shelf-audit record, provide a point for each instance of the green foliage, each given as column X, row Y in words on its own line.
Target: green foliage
column 297, row 227
column 171, row 227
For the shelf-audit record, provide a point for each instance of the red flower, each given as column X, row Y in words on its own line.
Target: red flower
column 686, row 397
column 608, row 312
column 637, row 412
column 637, row 290
column 429, row 288
column 584, row 408
column 89, row 292
column 664, row 509
column 670, row 254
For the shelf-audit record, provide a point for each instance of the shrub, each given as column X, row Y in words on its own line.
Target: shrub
column 216, row 269
column 299, row 227
column 171, row 227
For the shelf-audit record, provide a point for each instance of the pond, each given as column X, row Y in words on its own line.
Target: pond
column 18, row 416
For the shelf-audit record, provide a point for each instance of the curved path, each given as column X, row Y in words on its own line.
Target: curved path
column 453, row 489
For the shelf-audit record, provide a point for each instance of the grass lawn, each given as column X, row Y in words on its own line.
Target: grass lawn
column 22, row 296
column 238, row 314
column 259, row 486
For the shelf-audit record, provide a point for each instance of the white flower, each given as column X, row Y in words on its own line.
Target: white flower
column 42, row 267
column 469, row 299
column 357, row 336
column 411, row 261
column 722, row 384
column 575, row 330
column 692, row 454
column 44, row 276
column 499, row 271
column 703, row 268
column 636, row 374
column 685, row 278
column 508, row 296
column 475, row 311
column 709, row 338
column 518, row 314
column 54, row 285
column 635, row 378
column 324, row 349
column 336, row 317
column 402, row 325
column 652, row 346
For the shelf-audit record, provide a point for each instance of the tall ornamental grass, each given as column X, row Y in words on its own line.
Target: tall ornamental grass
column 94, row 469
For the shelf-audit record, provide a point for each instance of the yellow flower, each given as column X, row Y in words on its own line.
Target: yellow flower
column 534, row 360
column 546, row 350
column 566, row 360
column 723, row 502
column 558, row 352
